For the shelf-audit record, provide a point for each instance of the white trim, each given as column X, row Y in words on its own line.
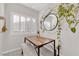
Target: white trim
column 10, row 51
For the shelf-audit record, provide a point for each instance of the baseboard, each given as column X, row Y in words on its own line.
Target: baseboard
column 12, row 52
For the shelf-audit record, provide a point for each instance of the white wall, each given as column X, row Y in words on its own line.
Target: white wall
column 0, row 44
column 69, row 40
column 11, row 41
column 1, row 34
column 14, row 40
column 1, row 9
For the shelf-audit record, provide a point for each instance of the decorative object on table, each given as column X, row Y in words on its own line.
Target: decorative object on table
column 4, row 28
column 38, row 33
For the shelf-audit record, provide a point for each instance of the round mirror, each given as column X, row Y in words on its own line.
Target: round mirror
column 50, row 22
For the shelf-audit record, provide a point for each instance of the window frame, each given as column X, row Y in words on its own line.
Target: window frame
column 25, row 30
column 11, row 22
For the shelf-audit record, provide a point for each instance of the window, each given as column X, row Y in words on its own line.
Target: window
column 22, row 23
column 31, row 25
column 15, row 23
column 18, row 23
column 15, row 18
column 33, row 20
column 28, row 19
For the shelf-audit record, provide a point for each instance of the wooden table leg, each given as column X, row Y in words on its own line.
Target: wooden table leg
column 54, row 49
column 38, row 51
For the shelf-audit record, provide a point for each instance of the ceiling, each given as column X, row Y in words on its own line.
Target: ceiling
column 36, row 6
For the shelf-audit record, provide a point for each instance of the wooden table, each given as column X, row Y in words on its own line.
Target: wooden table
column 39, row 42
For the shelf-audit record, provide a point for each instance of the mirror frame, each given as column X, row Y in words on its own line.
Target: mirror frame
column 45, row 19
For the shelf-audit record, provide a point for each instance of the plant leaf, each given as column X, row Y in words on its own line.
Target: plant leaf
column 69, row 22
column 73, row 29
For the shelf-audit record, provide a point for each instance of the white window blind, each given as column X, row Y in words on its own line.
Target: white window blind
column 18, row 23
column 15, row 23
column 22, row 23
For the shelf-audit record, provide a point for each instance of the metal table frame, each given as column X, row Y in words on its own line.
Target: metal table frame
column 38, row 47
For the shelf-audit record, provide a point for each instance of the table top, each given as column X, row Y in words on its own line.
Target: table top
column 39, row 40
